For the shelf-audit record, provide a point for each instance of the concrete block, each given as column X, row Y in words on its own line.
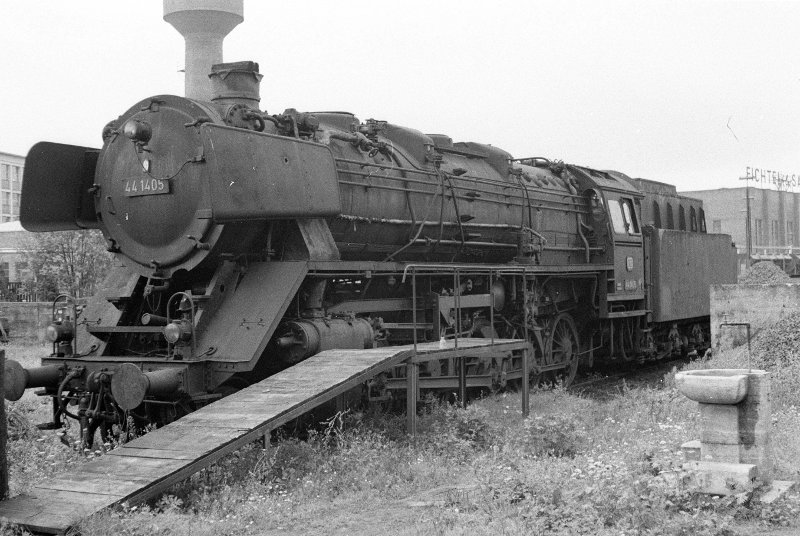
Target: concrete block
column 719, row 478
column 758, row 455
column 719, row 423
column 719, row 452
column 762, row 306
column 754, row 421
column 737, row 436
column 758, row 386
column 776, row 491
column 761, row 457
column 691, row 451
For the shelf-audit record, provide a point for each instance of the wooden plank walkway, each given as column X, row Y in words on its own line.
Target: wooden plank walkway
column 150, row 464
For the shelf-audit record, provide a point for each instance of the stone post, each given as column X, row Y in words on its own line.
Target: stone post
column 735, row 419
column 739, row 433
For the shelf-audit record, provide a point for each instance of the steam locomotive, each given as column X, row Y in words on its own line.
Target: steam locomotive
column 246, row 242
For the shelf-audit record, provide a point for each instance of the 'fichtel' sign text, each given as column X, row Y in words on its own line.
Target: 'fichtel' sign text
column 782, row 181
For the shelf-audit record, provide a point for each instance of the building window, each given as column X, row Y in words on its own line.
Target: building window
column 670, row 219
column 692, row 219
column 681, row 218
column 702, row 220
column 758, row 232
column 21, row 268
column 4, row 176
column 789, row 233
column 773, row 233
column 656, row 215
column 716, row 226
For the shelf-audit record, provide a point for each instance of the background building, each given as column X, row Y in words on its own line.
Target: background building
column 774, row 220
column 11, row 167
column 14, row 271
column 15, row 275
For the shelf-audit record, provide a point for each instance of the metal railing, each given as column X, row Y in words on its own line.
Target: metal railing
column 412, row 365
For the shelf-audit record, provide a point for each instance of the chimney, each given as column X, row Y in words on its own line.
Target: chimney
column 204, row 25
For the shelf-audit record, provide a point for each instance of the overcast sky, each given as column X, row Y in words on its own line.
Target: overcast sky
column 684, row 92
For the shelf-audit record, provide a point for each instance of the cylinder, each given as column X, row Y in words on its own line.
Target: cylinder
column 299, row 339
column 150, row 319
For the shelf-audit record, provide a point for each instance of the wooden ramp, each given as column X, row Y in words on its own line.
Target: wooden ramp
column 150, row 464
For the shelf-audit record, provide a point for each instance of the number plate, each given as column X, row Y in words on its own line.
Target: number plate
column 145, row 186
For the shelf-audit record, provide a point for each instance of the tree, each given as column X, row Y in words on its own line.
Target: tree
column 71, row 262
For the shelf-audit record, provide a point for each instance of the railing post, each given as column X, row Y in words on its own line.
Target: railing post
column 526, row 386
column 412, row 377
column 491, row 303
column 414, row 307
column 457, row 305
column 526, row 356
column 462, row 381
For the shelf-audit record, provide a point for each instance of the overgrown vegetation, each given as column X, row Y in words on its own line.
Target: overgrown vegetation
column 73, row 262
column 576, row 466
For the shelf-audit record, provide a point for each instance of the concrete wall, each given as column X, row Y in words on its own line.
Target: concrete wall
column 28, row 319
column 759, row 305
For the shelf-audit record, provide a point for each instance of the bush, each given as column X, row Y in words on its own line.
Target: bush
column 458, row 432
column 553, row 435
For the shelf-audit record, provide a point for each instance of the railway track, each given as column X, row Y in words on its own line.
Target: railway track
column 608, row 380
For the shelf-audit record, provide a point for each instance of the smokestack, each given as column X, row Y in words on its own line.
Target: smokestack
column 204, row 25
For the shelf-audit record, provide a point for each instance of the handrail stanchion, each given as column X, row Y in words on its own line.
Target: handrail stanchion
column 461, row 360
column 526, row 386
column 491, row 304
column 457, row 305
column 412, row 368
column 414, row 306
column 526, row 354
column 412, row 384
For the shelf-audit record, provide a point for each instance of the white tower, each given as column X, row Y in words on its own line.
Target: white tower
column 204, row 25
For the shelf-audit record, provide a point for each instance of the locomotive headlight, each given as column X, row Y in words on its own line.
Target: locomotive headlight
column 138, row 131
column 177, row 330
column 59, row 332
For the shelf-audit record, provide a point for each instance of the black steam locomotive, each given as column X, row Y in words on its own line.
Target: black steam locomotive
column 247, row 242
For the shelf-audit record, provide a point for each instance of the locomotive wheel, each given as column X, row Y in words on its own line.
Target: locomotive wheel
column 562, row 347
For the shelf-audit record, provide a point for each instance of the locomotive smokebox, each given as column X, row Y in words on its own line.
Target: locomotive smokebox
column 204, row 25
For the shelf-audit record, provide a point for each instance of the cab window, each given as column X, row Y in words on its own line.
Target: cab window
column 623, row 216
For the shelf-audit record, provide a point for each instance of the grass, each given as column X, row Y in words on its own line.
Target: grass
column 576, row 466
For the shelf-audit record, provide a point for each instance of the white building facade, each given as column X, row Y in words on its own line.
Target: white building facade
column 11, row 170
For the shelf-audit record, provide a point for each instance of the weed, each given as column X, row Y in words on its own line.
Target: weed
column 575, row 466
